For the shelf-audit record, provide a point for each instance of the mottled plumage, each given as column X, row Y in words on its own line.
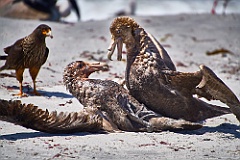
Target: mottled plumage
column 29, row 52
column 115, row 102
column 30, row 116
column 152, row 79
column 107, row 106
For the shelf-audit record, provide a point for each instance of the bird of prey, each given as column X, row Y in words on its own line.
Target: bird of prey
column 28, row 52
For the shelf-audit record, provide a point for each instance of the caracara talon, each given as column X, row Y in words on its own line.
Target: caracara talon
column 159, row 98
column 20, row 94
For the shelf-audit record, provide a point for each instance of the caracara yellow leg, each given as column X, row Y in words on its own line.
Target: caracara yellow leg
column 34, row 72
column 19, row 76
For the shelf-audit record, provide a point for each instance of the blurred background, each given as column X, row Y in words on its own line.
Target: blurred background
column 101, row 9
column 85, row 10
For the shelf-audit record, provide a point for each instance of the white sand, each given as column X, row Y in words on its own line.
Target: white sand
column 189, row 38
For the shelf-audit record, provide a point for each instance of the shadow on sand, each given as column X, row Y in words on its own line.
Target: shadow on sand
column 28, row 89
column 27, row 135
column 55, row 94
column 227, row 128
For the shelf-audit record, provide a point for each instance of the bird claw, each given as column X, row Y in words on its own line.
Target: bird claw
column 20, row 94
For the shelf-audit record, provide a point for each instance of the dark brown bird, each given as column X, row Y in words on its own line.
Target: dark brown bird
column 118, row 107
column 152, row 79
column 30, row 116
column 108, row 107
column 29, row 52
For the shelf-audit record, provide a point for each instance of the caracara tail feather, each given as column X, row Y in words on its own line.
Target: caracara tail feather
column 30, row 116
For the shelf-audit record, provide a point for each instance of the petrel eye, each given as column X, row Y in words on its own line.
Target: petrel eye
column 80, row 65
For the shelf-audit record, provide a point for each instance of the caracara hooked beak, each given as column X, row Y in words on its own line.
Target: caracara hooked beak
column 47, row 32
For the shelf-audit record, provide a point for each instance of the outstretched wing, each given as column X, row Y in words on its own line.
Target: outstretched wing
column 30, row 116
column 204, row 83
column 212, row 87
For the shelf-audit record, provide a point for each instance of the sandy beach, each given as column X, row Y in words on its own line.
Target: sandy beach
column 188, row 38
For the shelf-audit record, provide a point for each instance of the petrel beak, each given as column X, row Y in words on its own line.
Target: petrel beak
column 115, row 42
column 97, row 66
